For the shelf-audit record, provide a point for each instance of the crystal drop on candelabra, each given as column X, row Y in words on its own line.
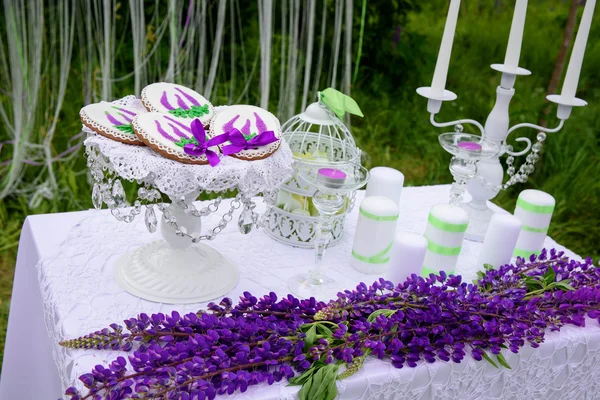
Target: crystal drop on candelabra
column 246, row 221
column 97, row 197
column 118, row 193
column 510, row 170
column 150, row 218
column 541, row 137
column 536, row 147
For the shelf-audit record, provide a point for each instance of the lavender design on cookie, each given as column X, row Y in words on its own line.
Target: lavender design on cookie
column 183, row 109
column 124, row 127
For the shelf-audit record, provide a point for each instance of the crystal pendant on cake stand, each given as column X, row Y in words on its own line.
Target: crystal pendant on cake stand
column 333, row 185
column 176, row 270
column 467, row 150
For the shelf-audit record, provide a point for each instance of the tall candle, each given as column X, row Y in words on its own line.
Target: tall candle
column 513, row 51
column 438, row 84
column 574, row 69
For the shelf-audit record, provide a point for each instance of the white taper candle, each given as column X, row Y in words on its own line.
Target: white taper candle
column 438, row 84
column 500, row 240
column 407, row 256
column 515, row 38
column 574, row 69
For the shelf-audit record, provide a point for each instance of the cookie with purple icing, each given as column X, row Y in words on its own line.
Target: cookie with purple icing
column 110, row 120
column 183, row 141
column 180, row 102
column 254, row 133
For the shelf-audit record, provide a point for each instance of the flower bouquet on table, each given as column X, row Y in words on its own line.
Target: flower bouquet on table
column 228, row 347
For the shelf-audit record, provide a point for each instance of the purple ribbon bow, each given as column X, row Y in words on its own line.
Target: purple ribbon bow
column 239, row 142
column 202, row 147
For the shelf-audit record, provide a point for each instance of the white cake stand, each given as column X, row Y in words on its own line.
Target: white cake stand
column 179, row 269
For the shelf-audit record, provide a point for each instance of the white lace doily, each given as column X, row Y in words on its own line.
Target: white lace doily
column 80, row 296
column 176, row 179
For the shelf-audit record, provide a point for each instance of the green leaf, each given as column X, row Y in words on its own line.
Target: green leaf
column 302, row 378
column 549, row 276
column 502, row 360
column 332, row 390
column 303, row 393
column 321, row 382
column 563, row 285
column 340, row 103
column 325, row 330
column 488, row 267
column 488, row 359
column 311, row 337
column 387, row 313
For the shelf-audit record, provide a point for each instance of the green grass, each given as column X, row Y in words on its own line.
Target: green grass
column 396, row 130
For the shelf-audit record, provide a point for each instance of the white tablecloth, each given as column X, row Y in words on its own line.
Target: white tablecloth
column 76, row 294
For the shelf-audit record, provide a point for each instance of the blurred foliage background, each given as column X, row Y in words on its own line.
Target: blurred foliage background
column 86, row 51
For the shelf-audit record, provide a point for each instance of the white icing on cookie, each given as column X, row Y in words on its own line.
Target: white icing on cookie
column 181, row 102
column 168, row 135
column 250, row 121
column 111, row 120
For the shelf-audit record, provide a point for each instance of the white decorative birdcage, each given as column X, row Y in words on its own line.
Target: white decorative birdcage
column 316, row 136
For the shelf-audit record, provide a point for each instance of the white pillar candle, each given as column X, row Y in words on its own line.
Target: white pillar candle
column 500, row 240
column 574, row 69
column 438, row 84
column 534, row 209
column 445, row 232
column 515, row 38
column 407, row 256
column 387, row 182
column 375, row 232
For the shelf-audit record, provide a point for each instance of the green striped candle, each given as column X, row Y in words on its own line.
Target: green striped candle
column 375, row 233
column 445, row 231
column 534, row 209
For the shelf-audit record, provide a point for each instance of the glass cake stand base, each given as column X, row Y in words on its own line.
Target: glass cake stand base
column 158, row 272
column 306, row 285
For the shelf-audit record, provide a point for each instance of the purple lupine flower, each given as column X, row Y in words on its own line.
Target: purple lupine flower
column 181, row 103
column 188, row 97
column 179, row 124
column 260, row 124
column 127, row 118
column 229, row 125
column 246, row 128
column 113, row 120
column 165, row 101
column 178, row 132
column 164, row 133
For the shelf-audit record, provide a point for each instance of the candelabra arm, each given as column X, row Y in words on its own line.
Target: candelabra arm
column 524, row 139
column 457, row 122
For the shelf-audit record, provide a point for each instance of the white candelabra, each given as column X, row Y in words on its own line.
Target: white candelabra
column 488, row 180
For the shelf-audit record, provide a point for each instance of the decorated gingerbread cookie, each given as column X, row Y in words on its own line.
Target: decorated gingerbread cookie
column 254, row 133
column 110, row 120
column 186, row 142
column 180, row 102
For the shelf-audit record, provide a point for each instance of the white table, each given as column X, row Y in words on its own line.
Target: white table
column 76, row 294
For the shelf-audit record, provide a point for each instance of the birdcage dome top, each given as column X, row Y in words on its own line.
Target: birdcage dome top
column 318, row 135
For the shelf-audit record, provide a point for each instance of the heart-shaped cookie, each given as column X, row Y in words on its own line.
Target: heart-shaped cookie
column 180, row 102
column 112, row 121
column 186, row 142
column 254, row 133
